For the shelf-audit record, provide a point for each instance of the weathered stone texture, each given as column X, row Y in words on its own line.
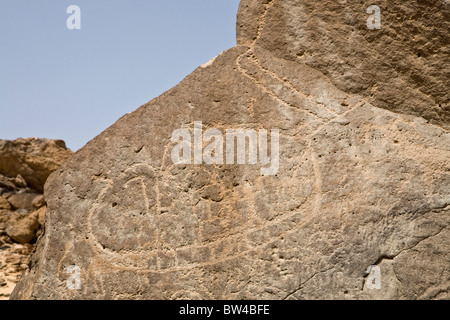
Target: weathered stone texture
column 402, row 67
column 363, row 178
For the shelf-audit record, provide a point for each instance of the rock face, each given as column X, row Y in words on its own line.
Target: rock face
column 356, row 208
column 24, row 230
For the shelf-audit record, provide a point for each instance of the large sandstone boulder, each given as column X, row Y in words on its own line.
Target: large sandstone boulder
column 357, row 207
column 34, row 159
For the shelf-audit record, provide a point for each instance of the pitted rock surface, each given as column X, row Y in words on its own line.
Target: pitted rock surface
column 363, row 175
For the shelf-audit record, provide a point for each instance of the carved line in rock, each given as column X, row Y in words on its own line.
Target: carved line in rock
column 328, row 118
column 211, row 262
column 287, row 295
column 254, row 60
column 126, row 266
column 320, row 113
column 247, row 231
column 328, row 112
column 240, row 234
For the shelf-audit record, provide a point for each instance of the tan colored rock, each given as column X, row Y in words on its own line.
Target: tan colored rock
column 34, row 159
column 23, row 200
column 13, row 259
column 6, row 184
column 4, row 217
column 38, row 202
column 4, row 204
column 24, row 230
column 359, row 187
column 19, row 181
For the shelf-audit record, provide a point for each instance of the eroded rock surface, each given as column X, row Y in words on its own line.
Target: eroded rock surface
column 363, row 177
column 400, row 67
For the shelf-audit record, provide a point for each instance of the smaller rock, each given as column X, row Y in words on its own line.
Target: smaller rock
column 38, row 202
column 23, row 231
column 23, row 200
column 4, row 204
column 19, row 181
column 6, row 183
column 8, row 194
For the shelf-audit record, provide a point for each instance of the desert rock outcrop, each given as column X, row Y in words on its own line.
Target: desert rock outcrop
column 361, row 182
column 22, row 205
column 33, row 159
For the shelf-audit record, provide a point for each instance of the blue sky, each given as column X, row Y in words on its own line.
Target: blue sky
column 72, row 84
